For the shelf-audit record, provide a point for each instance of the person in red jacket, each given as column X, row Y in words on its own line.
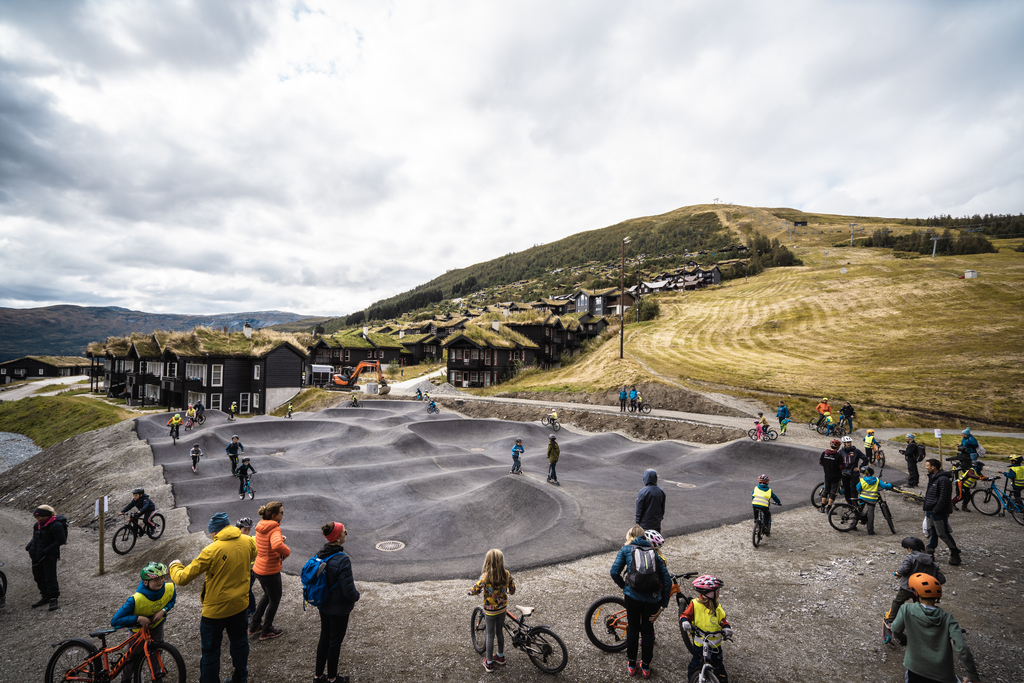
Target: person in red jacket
column 271, row 551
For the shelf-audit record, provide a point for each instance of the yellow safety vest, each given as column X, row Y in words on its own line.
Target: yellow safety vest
column 762, row 498
column 144, row 607
column 1018, row 474
column 708, row 621
column 869, row 441
column 176, row 420
column 868, row 492
column 968, row 479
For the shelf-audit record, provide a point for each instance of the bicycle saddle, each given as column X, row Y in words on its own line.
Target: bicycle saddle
column 101, row 632
column 527, row 611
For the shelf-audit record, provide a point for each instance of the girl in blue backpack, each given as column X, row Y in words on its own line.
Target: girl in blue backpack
column 644, row 601
column 334, row 612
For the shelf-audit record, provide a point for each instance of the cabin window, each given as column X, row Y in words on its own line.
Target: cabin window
column 196, row 371
column 216, row 400
column 3, row 371
column 256, row 372
column 476, row 354
column 217, row 375
column 255, row 401
column 348, row 354
column 40, row 371
column 243, row 403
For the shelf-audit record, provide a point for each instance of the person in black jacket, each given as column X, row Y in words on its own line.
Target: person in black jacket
column 146, row 507
column 913, row 453
column 832, row 462
column 937, row 506
column 335, row 611
column 846, row 414
column 48, row 534
column 650, row 503
column 853, row 460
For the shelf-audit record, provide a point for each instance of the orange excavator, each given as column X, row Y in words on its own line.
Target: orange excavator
column 347, row 378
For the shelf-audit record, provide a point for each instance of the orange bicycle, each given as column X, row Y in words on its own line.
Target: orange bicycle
column 605, row 622
column 78, row 659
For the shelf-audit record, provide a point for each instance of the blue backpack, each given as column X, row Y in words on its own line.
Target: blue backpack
column 315, row 590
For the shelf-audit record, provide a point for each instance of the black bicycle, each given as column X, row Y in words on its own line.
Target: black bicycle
column 354, row 403
column 767, row 434
column 761, row 527
column 552, row 422
column 845, row 517
column 605, row 621
column 124, row 539
column 837, row 430
column 3, row 588
column 817, row 496
column 542, row 645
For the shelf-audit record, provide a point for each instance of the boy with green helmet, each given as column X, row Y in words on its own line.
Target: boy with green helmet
column 148, row 607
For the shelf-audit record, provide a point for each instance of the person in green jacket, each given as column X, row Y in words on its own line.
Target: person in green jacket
column 933, row 635
column 553, row 452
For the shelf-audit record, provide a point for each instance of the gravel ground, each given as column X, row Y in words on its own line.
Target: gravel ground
column 15, row 448
column 806, row 605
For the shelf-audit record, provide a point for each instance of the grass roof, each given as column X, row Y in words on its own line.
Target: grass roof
column 199, row 342
column 504, row 338
column 534, row 316
column 56, row 361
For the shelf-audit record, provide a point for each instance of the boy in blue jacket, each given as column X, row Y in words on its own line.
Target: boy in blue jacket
column 148, row 607
column 517, row 452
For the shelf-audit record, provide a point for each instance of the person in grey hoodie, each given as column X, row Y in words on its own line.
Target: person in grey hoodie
column 650, row 503
column 932, row 635
column 916, row 561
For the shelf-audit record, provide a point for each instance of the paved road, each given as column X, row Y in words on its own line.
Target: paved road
column 30, row 388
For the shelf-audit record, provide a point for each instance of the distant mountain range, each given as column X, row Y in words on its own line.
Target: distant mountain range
column 67, row 330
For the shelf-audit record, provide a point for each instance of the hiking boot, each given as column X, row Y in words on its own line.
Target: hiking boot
column 271, row 634
column 55, row 606
column 488, row 666
column 631, row 668
column 871, row 533
column 498, row 659
column 42, row 602
column 954, row 560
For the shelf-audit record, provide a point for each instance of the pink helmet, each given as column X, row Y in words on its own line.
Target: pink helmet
column 707, row 584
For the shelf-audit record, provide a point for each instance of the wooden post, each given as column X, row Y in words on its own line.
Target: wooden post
column 101, row 505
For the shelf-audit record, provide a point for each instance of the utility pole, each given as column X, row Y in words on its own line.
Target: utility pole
column 622, row 297
column 935, row 245
column 852, row 226
column 826, row 259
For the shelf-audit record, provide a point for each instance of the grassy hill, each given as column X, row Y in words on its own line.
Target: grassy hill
column 48, row 420
column 901, row 333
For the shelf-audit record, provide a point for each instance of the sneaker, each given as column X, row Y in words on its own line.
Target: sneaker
column 53, row 604
column 255, row 628
column 241, row 496
column 272, row 633
column 498, row 659
column 822, row 509
column 193, row 469
column 631, row 668
column 488, row 666
column 645, row 670
column 42, row 602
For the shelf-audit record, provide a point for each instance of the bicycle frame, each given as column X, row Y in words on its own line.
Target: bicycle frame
column 707, row 649
column 135, row 643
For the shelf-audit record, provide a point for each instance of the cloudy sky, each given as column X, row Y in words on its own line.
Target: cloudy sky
column 216, row 155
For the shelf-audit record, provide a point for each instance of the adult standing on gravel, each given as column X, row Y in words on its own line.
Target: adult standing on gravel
column 913, row 453
column 650, row 503
column 225, row 596
column 622, row 399
column 938, row 504
column 782, row 413
column 271, row 553
column 335, row 611
column 846, row 414
column 832, row 462
column 49, row 533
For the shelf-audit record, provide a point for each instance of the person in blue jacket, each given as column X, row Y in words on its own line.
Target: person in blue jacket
column 782, row 413
column 969, row 444
column 517, row 451
column 622, row 399
column 148, row 607
column 650, row 503
column 632, row 398
column 642, row 607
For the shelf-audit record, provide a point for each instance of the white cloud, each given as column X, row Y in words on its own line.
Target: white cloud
column 317, row 156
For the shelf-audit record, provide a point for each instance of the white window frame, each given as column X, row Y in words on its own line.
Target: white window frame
column 216, row 401
column 40, row 371
column 196, row 370
column 217, row 375
column 152, row 393
column 243, row 403
column 193, row 395
column 255, row 400
column 3, row 371
column 171, row 369
column 348, row 355
column 256, row 372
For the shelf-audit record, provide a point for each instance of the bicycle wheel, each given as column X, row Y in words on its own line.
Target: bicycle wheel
column 772, row 434
column 987, row 502
column 158, row 526
column 816, row 500
column 70, row 661
column 164, row 664
column 545, row 421
column 478, row 630
column 709, row 677
column 546, row 650
column 646, row 409
column 758, row 531
column 1015, row 506
column 556, row 425
column 880, row 458
column 843, row 517
column 888, row 515
column 821, row 429
column 605, row 623
column 201, row 419
column 3, row 583
column 250, row 491
column 124, row 540
column 813, row 424
column 752, row 434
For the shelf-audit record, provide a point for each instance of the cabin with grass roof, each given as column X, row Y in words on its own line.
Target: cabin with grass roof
column 36, row 367
column 540, row 326
column 257, row 369
column 480, row 356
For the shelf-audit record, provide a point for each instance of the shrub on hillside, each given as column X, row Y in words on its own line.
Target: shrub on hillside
column 949, row 244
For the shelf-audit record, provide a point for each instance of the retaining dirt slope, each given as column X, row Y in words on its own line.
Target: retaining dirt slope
column 440, row 484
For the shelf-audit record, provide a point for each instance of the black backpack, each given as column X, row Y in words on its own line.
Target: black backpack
column 63, row 522
column 643, row 572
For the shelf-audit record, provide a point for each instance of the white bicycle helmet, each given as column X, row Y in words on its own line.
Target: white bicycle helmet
column 847, row 439
column 654, row 538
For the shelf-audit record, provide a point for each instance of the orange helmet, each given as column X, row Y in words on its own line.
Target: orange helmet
column 925, row 586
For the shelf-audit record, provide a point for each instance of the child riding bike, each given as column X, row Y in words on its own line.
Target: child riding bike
column 705, row 619
column 145, row 506
column 175, row 424
column 762, row 498
column 243, row 472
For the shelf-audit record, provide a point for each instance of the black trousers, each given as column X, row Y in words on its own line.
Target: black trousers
column 271, row 600
column 45, row 573
column 328, row 648
column 912, row 475
column 850, row 488
column 638, row 623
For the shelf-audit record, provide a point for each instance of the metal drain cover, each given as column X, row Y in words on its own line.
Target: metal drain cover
column 478, row 449
column 389, row 546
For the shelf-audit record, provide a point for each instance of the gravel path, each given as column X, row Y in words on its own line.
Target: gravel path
column 15, row 448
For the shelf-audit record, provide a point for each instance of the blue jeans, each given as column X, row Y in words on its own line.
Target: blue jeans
column 211, row 633
column 517, row 465
column 551, row 472
column 848, row 420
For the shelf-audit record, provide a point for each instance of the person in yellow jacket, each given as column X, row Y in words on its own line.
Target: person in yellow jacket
column 175, row 424
column 868, row 488
column 225, row 596
column 1015, row 473
column 147, row 608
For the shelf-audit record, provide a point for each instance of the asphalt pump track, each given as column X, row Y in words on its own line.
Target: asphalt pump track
column 440, row 485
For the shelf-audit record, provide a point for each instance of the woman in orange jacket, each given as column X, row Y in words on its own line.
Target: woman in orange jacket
column 270, row 552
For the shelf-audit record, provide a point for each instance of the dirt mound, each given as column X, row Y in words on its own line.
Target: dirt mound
column 646, row 429
column 658, row 395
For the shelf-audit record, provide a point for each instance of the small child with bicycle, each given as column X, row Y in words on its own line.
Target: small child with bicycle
column 762, row 498
column 496, row 584
column 148, row 607
column 243, row 472
column 916, row 561
column 145, row 506
column 196, row 453
column 705, row 619
column 868, row 487
column 1015, row 473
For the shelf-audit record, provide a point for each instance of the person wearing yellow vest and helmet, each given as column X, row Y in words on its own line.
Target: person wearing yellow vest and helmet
column 966, row 480
column 871, row 445
column 704, row 618
column 153, row 599
column 762, row 499
column 1016, row 475
column 175, row 424
column 868, row 486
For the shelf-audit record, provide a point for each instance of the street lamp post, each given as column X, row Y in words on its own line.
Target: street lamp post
column 622, row 297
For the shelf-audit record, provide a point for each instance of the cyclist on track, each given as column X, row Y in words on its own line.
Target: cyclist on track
column 832, row 462
column 148, row 607
column 146, row 507
column 419, row 395
column 969, row 444
column 199, row 408
column 823, row 408
column 868, row 487
column 175, row 424
column 196, row 453
column 243, row 472
column 1015, row 474
column 846, row 414
column 853, row 461
column 871, row 445
column 706, row 614
column 431, row 405
column 234, row 449
column 762, row 498
column 355, row 402
column 191, row 412
column 553, row 417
